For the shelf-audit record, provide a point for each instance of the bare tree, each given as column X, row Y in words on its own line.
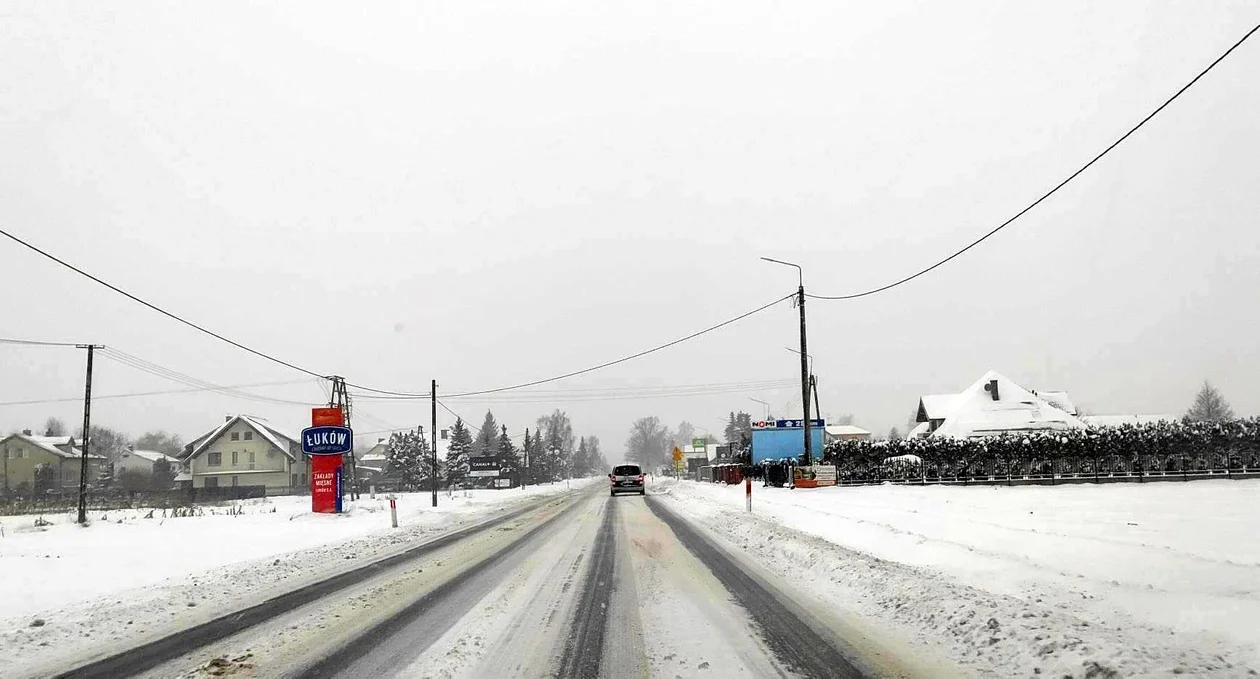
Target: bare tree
column 1209, row 406
column 162, row 442
column 55, row 427
column 647, row 442
column 894, row 434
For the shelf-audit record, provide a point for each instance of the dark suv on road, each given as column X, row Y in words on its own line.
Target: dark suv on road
column 626, row 478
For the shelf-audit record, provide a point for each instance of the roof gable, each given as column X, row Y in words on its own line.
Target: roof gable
column 936, row 407
column 977, row 413
column 273, row 436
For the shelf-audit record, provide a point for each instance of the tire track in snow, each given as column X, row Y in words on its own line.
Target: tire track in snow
column 585, row 646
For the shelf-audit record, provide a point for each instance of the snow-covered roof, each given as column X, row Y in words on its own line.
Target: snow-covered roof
column 1058, row 399
column 845, row 430
column 61, row 446
column 371, row 457
column 920, row 430
column 1098, row 421
column 936, row 406
column 976, row 413
column 276, row 437
column 151, row 455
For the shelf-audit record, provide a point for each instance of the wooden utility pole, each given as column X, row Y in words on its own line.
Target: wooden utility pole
column 433, row 433
column 805, row 381
column 87, row 432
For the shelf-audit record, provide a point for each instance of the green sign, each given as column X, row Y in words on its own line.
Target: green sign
column 698, row 444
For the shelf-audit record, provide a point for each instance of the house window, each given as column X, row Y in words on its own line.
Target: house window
column 251, row 459
column 212, row 482
column 214, row 460
column 249, row 436
column 233, row 458
column 234, row 480
column 236, row 436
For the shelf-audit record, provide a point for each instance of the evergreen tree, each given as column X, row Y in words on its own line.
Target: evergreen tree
column 894, row 434
column 509, row 457
column 1209, row 406
column 527, row 452
column 581, row 459
column 407, row 458
column 105, row 477
column 596, row 464
column 163, row 476
column 487, row 441
column 457, row 453
column 732, row 430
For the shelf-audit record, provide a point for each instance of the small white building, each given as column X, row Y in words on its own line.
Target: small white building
column 142, row 461
column 844, row 432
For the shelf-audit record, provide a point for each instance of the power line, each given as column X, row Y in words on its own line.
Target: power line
column 155, row 307
column 537, row 395
column 1052, row 191
column 95, row 397
column 7, row 340
column 384, row 392
column 593, row 368
column 182, row 378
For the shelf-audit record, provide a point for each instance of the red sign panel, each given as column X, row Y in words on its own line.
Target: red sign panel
column 327, row 417
column 326, row 484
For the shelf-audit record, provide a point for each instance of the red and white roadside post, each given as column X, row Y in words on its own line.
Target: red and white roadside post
column 748, row 491
column 393, row 510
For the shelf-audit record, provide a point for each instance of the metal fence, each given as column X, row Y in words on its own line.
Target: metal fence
column 107, row 500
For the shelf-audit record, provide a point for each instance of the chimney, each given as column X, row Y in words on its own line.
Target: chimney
column 227, row 418
column 992, row 388
column 380, row 440
column 26, row 432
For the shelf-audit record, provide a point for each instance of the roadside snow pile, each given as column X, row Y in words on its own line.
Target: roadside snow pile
column 1082, row 581
column 125, row 576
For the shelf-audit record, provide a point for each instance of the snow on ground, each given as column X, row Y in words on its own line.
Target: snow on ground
column 67, row 588
column 1080, row 580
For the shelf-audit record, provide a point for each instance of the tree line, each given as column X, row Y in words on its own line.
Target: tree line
column 549, row 452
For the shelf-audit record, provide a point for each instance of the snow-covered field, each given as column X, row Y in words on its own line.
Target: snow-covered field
column 66, row 588
column 1081, row 580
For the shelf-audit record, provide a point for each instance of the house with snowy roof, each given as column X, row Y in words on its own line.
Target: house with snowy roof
column 245, row 451
column 141, row 461
column 22, row 452
column 993, row 405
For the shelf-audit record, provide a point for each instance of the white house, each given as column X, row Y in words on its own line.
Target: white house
column 245, row 451
column 142, row 461
column 995, row 405
column 844, row 432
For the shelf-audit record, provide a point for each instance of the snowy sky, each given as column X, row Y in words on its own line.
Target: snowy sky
column 486, row 193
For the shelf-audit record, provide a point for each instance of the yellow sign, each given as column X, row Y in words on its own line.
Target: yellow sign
column 677, row 455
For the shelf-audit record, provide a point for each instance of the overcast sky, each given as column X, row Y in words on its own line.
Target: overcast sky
column 487, row 193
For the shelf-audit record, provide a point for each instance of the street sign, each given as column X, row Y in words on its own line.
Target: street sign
column 483, row 466
column 326, row 484
column 699, row 444
column 677, row 455
column 327, row 440
column 796, row 424
column 327, row 417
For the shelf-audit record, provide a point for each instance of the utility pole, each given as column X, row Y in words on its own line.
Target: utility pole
column 434, row 472
column 813, row 383
column 807, row 458
column 805, row 377
column 340, row 398
column 87, row 432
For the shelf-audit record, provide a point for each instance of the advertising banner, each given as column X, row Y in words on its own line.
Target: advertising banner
column 326, row 484
column 483, row 466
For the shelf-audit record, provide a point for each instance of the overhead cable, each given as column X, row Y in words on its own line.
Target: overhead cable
column 1051, row 192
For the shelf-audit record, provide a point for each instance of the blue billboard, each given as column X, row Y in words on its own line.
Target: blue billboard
column 777, row 444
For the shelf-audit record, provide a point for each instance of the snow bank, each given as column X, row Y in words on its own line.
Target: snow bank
column 126, row 575
column 1132, row 578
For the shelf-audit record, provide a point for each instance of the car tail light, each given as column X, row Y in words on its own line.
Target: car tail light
column 640, row 478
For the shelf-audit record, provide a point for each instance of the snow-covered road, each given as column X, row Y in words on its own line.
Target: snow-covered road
column 1139, row 579
column 582, row 585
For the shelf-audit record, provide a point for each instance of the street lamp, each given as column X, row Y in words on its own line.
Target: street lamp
column 767, row 406
column 807, row 458
column 811, row 358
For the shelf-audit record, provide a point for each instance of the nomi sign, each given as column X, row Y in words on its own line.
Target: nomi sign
column 327, row 440
column 786, row 424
